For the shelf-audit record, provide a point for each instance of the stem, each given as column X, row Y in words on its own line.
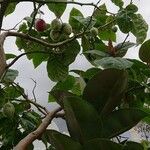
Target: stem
column 23, row 144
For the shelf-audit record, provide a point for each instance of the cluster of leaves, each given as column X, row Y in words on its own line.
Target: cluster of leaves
column 100, row 103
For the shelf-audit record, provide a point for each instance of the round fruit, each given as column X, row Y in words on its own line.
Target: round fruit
column 9, row 110
column 40, row 25
column 56, row 24
column 67, row 28
column 94, row 31
column 64, row 37
column 55, row 35
column 114, row 29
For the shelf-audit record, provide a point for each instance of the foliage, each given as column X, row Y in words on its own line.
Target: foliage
column 100, row 103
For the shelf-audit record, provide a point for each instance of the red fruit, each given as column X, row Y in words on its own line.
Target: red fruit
column 40, row 25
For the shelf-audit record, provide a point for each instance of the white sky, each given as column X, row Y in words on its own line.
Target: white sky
column 25, row 67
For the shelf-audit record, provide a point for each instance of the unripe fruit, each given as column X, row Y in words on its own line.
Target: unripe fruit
column 64, row 37
column 56, row 25
column 9, row 110
column 67, row 28
column 40, row 25
column 94, row 31
column 114, row 29
column 55, row 35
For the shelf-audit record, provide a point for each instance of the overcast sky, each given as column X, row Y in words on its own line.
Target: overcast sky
column 25, row 67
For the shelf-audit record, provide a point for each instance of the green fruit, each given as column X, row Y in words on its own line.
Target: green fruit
column 55, row 35
column 67, row 28
column 114, row 29
column 9, row 110
column 64, row 37
column 56, row 25
column 94, row 31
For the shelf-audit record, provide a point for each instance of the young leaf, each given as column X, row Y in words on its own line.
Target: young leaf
column 106, row 89
column 121, row 120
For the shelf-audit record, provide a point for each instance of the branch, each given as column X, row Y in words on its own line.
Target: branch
column 23, row 144
column 2, row 54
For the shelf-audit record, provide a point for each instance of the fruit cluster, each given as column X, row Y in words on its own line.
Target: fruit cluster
column 59, row 31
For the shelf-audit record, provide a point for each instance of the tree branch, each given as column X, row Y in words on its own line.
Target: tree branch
column 23, row 144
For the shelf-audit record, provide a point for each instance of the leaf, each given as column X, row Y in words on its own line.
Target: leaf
column 10, row 9
column 76, row 25
column 70, row 51
column 124, row 21
column 130, row 145
column 59, row 96
column 10, row 56
column 102, row 144
column 140, row 28
column 107, row 35
column 56, row 70
column 106, row 89
column 97, row 52
column 62, row 142
column 144, row 52
column 114, row 62
column 119, row 3
column 57, row 8
column 121, row 120
column 122, row 48
column 11, row 75
column 82, row 119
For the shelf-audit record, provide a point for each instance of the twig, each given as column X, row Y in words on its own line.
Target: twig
column 23, row 144
column 33, row 91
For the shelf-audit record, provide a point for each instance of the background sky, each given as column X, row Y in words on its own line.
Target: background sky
column 25, row 67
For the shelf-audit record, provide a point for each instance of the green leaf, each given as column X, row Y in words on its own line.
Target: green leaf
column 140, row 28
column 98, row 53
column 76, row 25
column 57, row 71
column 70, row 51
column 11, row 75
column 10, row 9
column 62, row 142
column 122, row 48
column 119, row 3
column 114, row 62
column 82, row 119
column 144, row 52
column 107, row 35
column 121, row 120
column 106, row 89
column 124, row 21
column 11, row 92
column 10, row 56
column 57, row 8
column 102, row 144
column 130, row 145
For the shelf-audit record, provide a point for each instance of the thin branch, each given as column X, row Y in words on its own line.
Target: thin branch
column 23, row 54
column 33, row 91
column 23, row 144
